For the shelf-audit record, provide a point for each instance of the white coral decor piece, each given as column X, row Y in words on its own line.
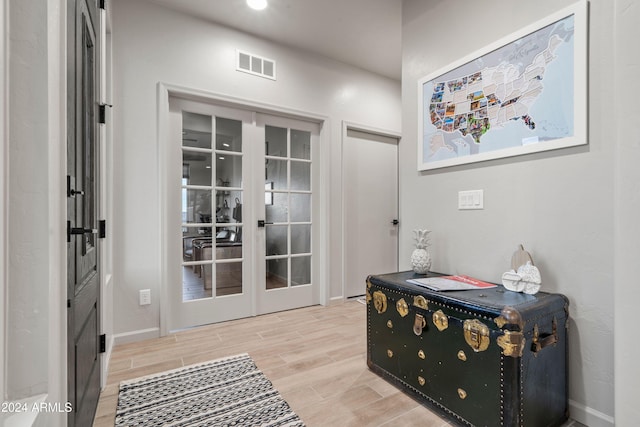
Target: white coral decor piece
column 420, row 257
column 527, row 279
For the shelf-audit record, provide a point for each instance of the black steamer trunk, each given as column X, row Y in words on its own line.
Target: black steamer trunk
column 487, row 357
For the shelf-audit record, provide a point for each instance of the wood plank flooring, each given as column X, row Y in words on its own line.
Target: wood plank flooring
column 315, row 357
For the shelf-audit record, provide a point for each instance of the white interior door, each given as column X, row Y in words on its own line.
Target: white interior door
column 287, row 240
column 209, row 247
column 370, row 207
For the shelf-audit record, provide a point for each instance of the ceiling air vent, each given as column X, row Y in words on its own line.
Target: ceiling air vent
column 256, row 65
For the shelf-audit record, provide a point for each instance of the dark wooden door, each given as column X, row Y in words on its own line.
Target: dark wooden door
column 83, row 284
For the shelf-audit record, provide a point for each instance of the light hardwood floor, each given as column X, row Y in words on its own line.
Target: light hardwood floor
column 315, row 357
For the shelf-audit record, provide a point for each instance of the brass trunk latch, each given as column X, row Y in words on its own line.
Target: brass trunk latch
column 380, row 302
column 418, row 324
column 476, row 334
column 421, row 302
column 440, row 320
column 402, row 307
column 512, row 343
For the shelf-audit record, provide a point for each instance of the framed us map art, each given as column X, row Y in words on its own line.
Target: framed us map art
column 522, row 94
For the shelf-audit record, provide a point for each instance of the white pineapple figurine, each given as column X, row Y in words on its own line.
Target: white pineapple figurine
column 420, row 258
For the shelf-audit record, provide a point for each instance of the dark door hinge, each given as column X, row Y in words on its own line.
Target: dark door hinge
column 102, row 229
column 68, row 303
column 102, row 113
column 102, row 4
column 103, row 343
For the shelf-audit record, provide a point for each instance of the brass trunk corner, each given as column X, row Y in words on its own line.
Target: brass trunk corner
column 512, row 343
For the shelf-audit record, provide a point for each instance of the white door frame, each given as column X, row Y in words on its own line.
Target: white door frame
column 347, row 125
column 167, row 90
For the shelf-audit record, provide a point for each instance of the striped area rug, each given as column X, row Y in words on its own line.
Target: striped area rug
column 225, row 392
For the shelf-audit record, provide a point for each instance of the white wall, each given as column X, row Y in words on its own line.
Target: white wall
column 152, row 44
column 35, row 354
column 560, row 204
column 627, row 175
column 27, row 331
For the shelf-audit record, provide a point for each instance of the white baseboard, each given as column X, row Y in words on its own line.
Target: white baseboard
column 589, row 416
column 133, row 336
column 335, row 301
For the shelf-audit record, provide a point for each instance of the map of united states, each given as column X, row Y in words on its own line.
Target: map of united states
column 486, row 100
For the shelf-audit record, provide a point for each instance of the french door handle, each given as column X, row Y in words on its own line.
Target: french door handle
column 78, row 231
column 261, row 223
column 83, row 231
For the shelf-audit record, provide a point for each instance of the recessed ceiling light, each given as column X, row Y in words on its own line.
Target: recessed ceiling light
column 257, row 4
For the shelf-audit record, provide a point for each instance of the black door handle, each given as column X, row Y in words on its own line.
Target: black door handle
column 395, row 222
column 261, row 223
column 77, row 231
column 82, row 231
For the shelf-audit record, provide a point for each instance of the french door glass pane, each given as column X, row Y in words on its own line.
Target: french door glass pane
column 193, row 282
column 275, row 141
column 300, row 207
column 228, row 135
column 300, row 144
column 277, row 211
column 300, row 270
column 196, row 130
column 300, row 239
column 276, row 173
column 277, row 273
column 197, row 205
column 228, row 170
column 228, row 278
column 300, row 176
column 196, row 168
column 276, row 238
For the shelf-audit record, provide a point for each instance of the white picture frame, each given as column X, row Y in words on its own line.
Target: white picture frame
column 453, row 126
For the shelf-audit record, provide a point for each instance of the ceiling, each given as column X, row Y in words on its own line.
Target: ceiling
column 364, row 33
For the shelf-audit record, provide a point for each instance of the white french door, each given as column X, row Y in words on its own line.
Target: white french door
column 287, row 236
column 239, row 214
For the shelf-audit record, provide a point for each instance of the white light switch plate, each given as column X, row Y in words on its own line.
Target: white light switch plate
column 471, row 199
column 145, row 296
